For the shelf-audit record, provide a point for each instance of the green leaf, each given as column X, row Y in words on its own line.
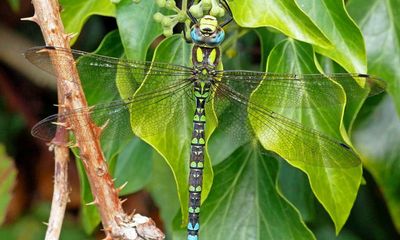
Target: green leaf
column 295, row 187
column 8, row 175
column 133, row 166
column 15, row 5
column 284, row 16
column 354, row 102
column 331, row 17
column 244, row 202
column 335, row 188
column 163, row 191
column 167, row 125
column 137, row 27
column 30, row 226
column 377, row 138
column 268, row 40
column 380, row 24
column 75, row 13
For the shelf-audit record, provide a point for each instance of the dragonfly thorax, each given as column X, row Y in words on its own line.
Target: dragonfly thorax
column 205, row 58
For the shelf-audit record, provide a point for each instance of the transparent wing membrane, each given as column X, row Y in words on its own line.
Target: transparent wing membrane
column 290, row 90
column 115, row 115
column 40, row 56
column 305, row 144
column 160, row 92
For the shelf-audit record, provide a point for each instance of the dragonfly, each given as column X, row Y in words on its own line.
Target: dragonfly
column 203, row 84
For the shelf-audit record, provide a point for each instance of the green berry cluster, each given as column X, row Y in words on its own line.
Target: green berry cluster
column 168, row 22
column 212, row 7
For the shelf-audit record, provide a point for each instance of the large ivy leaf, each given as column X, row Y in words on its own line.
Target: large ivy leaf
column 137, row 27
column 380, row 24
column 295, row 187
column 354, row 102
column 323, row 23
column 8, row 175
column 75, row 13
column 331, row 17
column 284, row 16
column 335, row 188
column 167, row 125
column 377, row 138
column 245, row 199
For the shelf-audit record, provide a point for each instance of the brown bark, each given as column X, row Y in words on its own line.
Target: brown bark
column 116, row 223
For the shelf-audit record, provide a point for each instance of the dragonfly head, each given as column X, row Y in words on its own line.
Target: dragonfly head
column 208, row 24
column 207, row 32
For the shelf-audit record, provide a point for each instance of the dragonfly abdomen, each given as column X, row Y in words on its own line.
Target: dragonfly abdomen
column 197, row 162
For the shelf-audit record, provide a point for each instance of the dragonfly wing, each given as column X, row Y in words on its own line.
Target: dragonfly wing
column 163, row 112
column 108, row 76
column 108, row 115
column 302, row 90
column 106, row 72
column 115, row 115
column 291, row 140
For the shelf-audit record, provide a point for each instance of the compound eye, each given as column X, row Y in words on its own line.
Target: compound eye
column 196, row 35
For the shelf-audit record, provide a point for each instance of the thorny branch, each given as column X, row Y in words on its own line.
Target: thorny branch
column 116, row 223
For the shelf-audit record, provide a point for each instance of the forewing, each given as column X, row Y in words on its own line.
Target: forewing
column 107, row 74
column 293, row 90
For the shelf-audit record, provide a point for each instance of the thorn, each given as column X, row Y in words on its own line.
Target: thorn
column 123, row 200
column 46, row 49
column 107, row 229
column 89, row 109
column 62, row 124
column 73, row 145
column 69, row 36
column 132, row 213
column 101, row 129
column 59, row 105
column 122, row 187
column 51, row 146
column 45, row 223
column 113, row 179
column 33, row 18
column 94, row 202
